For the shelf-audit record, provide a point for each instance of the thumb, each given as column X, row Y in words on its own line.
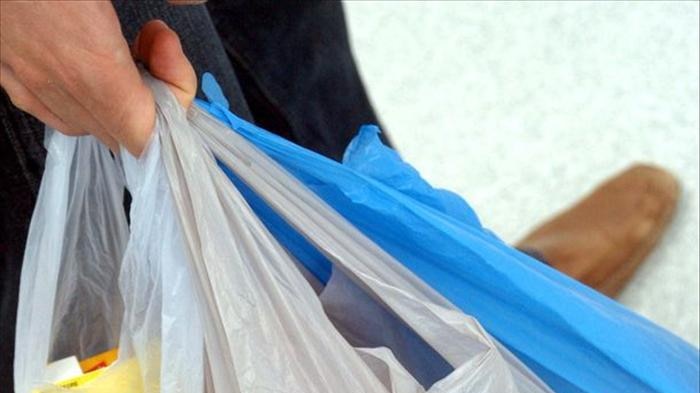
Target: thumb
column 159, row 48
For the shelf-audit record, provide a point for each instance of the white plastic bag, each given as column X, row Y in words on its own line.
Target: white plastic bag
column 69, row 302
column 213, row 303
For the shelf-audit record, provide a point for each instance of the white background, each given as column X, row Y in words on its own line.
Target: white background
column 523, row 107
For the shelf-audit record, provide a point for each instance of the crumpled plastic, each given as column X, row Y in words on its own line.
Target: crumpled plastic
column 210, row 299
column 574, row 338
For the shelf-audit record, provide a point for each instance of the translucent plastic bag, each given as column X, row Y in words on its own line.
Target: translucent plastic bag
column 573, row 337
column 69, row 302
column 212, row 302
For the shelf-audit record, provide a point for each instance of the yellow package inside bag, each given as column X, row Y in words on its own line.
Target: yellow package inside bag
column 102, row 374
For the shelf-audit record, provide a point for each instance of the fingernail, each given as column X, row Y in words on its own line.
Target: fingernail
column 160, row 22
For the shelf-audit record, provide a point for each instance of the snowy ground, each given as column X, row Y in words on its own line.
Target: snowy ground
column 523, row 107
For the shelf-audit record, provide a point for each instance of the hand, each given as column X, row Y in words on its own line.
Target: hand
column 68, row 64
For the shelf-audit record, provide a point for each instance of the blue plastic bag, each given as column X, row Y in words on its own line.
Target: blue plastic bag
column 574, row 338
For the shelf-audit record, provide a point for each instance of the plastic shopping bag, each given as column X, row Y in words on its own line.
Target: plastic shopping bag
column 210, row 299
column 69, row 301
column 574, row 338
